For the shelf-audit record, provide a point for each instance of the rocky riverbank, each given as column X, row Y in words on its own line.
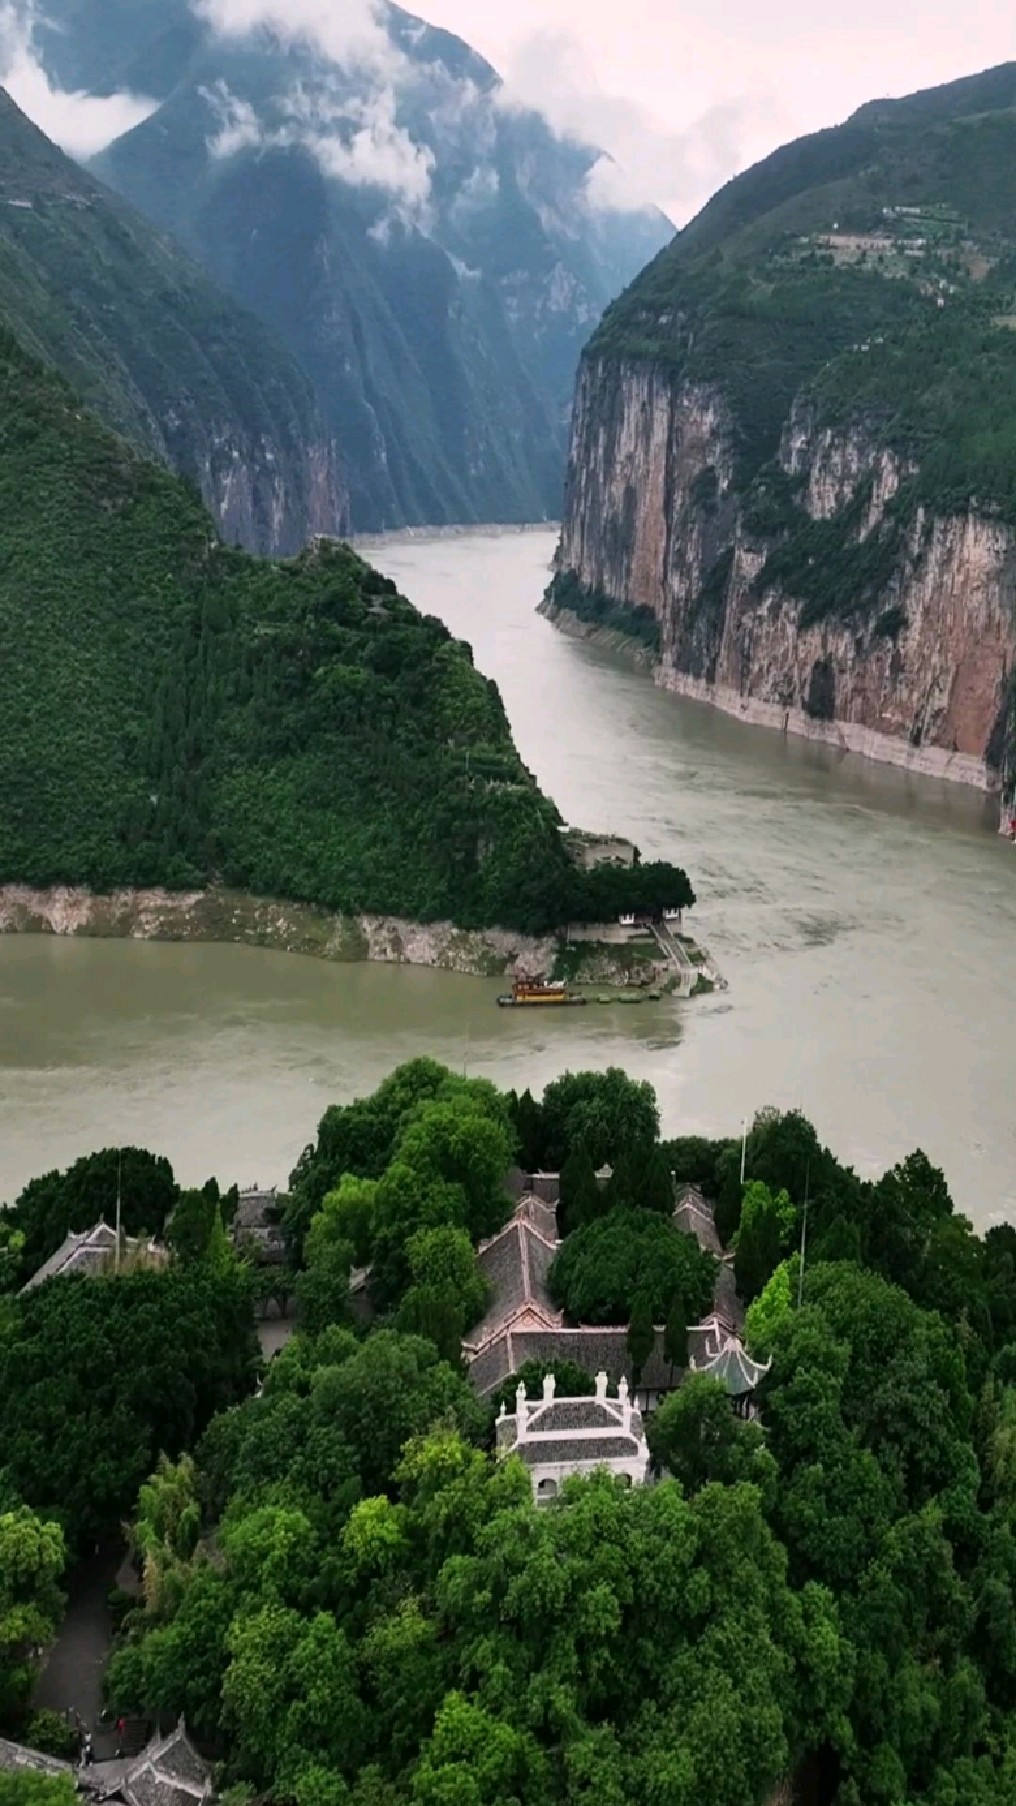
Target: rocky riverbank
column 234, row 916
column 224, row 915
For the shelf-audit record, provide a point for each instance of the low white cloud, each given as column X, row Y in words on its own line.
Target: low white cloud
column 552, row 73
column 347, row 31
column 356, row 141
column 81, row 124
column 378, row 153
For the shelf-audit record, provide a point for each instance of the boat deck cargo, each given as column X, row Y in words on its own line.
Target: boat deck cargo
column 538, row 992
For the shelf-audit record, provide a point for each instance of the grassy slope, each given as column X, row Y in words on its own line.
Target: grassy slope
column 172, row 710
column 159, row 353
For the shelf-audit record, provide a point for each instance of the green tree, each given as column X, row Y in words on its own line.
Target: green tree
column 25, row 1788
column 32, row 1557
column 601, row 1269
column 190, row 1225
column 607, row 1113
column 773, row 1307
column 675, row 1334
column 527, row 1121
column 448, row 1292
column 767, row 1228
column 654, row 1185
column 697, row 1437
column 581, row 1200
column 322, row 1289
column 641, row 1335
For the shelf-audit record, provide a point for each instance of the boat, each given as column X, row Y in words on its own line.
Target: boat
column 541, row 992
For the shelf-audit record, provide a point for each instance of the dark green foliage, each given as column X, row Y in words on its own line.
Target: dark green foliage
column 163, row 357
column 604, row 1268
column 654, row 1186
column 527, row 1122
column 582, row 1199
column 98, row 1376
column 177, row 713
column 641, row 1335
column 597, row 610
column 698, row 1439
column 50, row 1207
column 606, row 1113
column 694, row 1160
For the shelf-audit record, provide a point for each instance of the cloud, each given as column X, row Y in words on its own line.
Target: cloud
column 355, row 141
column 348, row 31
column 378, row 153
column 551, row 72
column 81, row 124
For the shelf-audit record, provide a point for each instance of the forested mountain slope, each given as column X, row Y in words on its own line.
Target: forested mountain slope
column 174, row 712
column 434, row 256
column 171, row 363
column 794, row 442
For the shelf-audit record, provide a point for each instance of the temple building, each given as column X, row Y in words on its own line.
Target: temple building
column 168, row 1772
column 255, row 1231
column 559, row 1437
column 93, row 1251
column 522, row 1323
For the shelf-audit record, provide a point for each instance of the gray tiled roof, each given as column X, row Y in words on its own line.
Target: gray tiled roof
column 87, row 1251
column 572, row 1414
column 734, row 1367
column 578, row 1454
column 168, row 1773
column 696, row 1216
column 15, row 1758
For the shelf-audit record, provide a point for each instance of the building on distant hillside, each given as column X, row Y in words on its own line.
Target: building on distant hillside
column 559, row 1437
column 168, row 1772
column 93, row 1251
column 255, row 1231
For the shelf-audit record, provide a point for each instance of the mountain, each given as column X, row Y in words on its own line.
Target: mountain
column 794, row 440
column 172, row 364
column 174, row 711
column 433, row 256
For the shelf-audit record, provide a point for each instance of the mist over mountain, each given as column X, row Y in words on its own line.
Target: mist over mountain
column 435, row 256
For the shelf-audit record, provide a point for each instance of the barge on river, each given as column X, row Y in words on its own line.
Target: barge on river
column 538, row 993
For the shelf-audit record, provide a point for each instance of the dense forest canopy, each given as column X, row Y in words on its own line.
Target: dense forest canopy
column 175, row 712
column 355, row 1604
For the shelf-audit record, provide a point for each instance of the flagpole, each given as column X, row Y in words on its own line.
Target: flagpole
column 804, row 1234
column 119, row 1168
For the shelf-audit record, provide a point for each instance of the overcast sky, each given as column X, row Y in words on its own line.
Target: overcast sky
column 687, row 92
column 682, row 93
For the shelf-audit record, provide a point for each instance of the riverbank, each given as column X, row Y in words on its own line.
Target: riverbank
column 238, row 918
column 842, row 736
column 609, row 638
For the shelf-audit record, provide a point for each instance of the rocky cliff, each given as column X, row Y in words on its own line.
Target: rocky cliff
column 794, row 453
column 919, row 675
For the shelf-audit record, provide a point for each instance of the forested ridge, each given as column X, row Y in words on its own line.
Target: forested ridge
column 354, row 1604
column 175, row 712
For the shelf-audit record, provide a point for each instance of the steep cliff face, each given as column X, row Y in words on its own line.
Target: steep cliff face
column 794, row 440
column 164, row 358
column 917, row 673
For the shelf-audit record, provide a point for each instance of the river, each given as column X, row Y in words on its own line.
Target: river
column 865, row 921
